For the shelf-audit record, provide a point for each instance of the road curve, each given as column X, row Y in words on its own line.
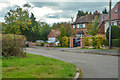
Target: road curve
column 92, row 66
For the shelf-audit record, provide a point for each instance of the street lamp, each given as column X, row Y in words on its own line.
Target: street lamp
column 110, row 24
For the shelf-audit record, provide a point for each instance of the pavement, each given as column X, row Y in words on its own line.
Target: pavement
column 92, row 65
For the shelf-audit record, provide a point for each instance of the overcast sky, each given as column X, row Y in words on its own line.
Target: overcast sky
column 52, row 11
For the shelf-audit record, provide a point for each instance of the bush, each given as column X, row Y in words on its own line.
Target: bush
column 86, row 41
column 115, row 32
column 65, row 41
column 97, row 41
column 114, row 42
column 13, row 45
column 105, row 42
column 42, row 44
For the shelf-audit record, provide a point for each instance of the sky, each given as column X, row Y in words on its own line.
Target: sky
column 53, row 11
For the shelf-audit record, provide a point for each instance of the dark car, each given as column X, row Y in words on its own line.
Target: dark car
column 78, row 42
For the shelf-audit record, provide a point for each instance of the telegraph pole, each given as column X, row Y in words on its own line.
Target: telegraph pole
column 110, row 24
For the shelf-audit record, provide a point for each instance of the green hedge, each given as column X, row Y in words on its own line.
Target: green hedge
column 13, row 45
column 114, row 42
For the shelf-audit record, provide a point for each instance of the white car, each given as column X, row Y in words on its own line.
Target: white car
column 57, row 43
column 38, row 41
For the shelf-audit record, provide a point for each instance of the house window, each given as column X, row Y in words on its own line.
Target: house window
column 79, row 35
column 81, row 26
column 78, row 26
column 116, row 10
column 73, row 26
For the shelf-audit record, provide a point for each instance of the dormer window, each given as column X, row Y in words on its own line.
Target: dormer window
column 116, row 11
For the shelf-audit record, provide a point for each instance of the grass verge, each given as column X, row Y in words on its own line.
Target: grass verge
column 36, row 66
column 99, row 49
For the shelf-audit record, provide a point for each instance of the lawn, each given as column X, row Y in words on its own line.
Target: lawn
column 99, row 49
column 36, row 66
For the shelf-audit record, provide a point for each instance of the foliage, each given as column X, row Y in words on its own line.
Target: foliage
column 42, row 44
column 13, row 45
column 93, row 28
column 44, row 31
column 114, row 42
column 36, row 66
column 97, row 41
column 86, row 41
column 67, row 26
column 16, row 21
column 115, row 32
column 105, row 11
column 66, row 42
column 105, row 42
column 62, row 34
column 82, row 13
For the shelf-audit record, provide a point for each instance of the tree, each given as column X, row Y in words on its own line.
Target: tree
column 44, row 31
column 93, row 27
column 62, row 34
column 67, row 26
column 90, row 13
column 34, row 29
column 115, row 32
column 16, row 21
column 80, row 13
column 105, row 11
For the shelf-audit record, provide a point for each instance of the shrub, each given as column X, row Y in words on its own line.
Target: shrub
column 86, row 41
column 97, row 41
column 42, row 44
column 13, row 45
column 105, row 42
column 65, row 41
column 115, row 32
column 114, row 42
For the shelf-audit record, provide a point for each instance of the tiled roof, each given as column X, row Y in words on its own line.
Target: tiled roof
column 115, row 12
column 86, row 18
column 53, row 33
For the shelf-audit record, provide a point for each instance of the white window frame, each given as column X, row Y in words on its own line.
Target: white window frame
column 78, row 25
column 74, row 26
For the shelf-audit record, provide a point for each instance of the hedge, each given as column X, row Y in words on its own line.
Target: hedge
column 114, row 42
column 13, row 45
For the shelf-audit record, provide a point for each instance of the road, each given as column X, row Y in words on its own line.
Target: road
column 92, row 65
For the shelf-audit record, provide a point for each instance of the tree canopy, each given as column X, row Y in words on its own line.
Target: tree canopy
column 115, row 32
column 93, row 27
column 105, row 11
column 18, row 22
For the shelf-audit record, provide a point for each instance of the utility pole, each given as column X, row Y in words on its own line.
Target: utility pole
column 110, row 24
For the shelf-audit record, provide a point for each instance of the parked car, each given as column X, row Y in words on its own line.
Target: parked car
column 57, row 43
column 27, row 43
column 38, row 41
column 78, row 42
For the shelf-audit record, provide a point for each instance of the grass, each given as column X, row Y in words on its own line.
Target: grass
column 99, row 49
column 36, row 66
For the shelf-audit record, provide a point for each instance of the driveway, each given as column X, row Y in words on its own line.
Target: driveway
column 92, row 65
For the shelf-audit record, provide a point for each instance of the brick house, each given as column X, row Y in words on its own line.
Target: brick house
column 52, row 36
column 81, row 24
column 115, row 17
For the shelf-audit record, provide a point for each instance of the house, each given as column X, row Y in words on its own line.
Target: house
column 115, row 17
column 81, row 24
column 52, row 36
